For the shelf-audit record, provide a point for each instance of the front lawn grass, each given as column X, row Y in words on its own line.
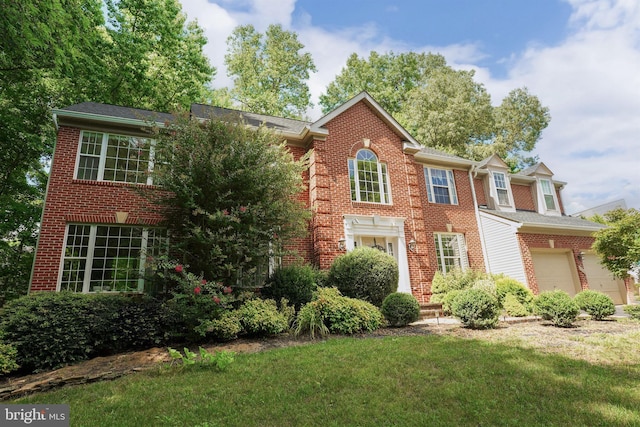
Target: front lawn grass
column 400, row 381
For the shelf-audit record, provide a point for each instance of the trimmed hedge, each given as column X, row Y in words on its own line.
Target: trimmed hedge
column 53, row 329
column 558, row 307
column 596, row 304
column 400, row 309
column 633, row 311
column 476, row 309
column 262, row 317
column 365, row 273
column 507, row 285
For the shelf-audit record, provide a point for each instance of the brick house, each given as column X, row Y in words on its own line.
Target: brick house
column 370, row 183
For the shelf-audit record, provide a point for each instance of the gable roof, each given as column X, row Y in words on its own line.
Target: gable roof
column 538, row 168
column 493, row 160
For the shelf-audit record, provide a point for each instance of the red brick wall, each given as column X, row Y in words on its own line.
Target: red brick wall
column 523, row 197
column 301, row 248
column 76, row 201
column 577, row 244
column 480, row 196
column 330, row 196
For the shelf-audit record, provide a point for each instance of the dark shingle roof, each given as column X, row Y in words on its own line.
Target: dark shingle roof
column 536, row 219
column 277, row 123
column 118, row 111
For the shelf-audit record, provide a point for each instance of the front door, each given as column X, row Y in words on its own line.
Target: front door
column 384, row 244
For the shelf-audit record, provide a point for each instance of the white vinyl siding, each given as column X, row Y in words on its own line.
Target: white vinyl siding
column 502, row 247
column 441, row 187
column 119, row 158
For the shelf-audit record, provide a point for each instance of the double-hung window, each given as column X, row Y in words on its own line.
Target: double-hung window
column 108, row 258
column 451, row 251
column 547, row 193
column 441, row 187
column 369, row 179
column 110, row 157
column 500, row 181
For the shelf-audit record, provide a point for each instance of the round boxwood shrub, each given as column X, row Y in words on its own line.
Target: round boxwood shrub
column 507, row 285
column 476, row 309
column 513, row 307
column 455, row 280
column 596, row 304
column 365, row 273
column 261, row 317
column 447, row 300
column 558, row 307
column 400, row 309
column 296, row 283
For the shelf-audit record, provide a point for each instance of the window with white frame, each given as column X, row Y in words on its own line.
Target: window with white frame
column 108, row 258
column 441, row 187
column 548, row 194
column 500, row 182
column 451, row 251
column 369, row 179
column 110, row 157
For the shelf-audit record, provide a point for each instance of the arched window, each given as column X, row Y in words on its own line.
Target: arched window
column 369, row 180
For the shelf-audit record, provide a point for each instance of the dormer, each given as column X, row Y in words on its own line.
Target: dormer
column 497, row 184
column 544, row 189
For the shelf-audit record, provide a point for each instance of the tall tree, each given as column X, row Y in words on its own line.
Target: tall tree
column 388, row 78
column 618, row 245
column 269, row 71
column 442, row 107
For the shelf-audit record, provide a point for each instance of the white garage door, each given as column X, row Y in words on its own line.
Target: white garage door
column 601, row 280
column 554, row 270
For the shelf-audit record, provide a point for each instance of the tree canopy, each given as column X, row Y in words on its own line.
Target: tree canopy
column 618, row 245
column 269, row 71
column 231, row 196
column 442, row 107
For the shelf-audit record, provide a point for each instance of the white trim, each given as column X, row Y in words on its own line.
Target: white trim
column 389, row 227
column 451, row 186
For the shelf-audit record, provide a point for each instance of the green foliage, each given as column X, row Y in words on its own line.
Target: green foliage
column 618, row 245
column 231, row 200
column 514, row 307
column 488, row 285
column 558, row 307
column 269, row 71
column 296, row 283
column 633, row 311
column 476, row 309
column 456, row 279
column 447, row 301
column 365, row 273
column 507, row 285
column 8, row 356
column 596, row 304
column 442, row 107
column 330, row 312
column 53, row 329
column 224, row 328
column 262, row 317
column 220, row 360
column 400, row 309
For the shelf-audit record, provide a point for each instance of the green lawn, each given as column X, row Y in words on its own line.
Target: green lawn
column 416, row 380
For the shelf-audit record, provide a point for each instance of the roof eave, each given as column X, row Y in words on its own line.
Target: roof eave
column 59, row 113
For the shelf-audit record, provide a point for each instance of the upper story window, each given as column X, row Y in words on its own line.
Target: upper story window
column 441, row 187
column 450, row 251
column 369, row 179
column 109, row 157
column 500, row 182
column 548, row 194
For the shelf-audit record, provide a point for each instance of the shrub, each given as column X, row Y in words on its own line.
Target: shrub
column 558, row 307
column 476, row 309
column 487, row 285
column 330, row 312
column 400, row 309
column 455, row 279
column 596, row 304
column 507, row 285
column 514, row 307
column 225, row 328
column 296, row 283
column 261, row 317
column 365, row 273
column 8, row 355
column 447, row 300
column 633, row 311
column 52, row 329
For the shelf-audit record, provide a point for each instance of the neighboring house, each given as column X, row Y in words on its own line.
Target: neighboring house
column 370, row 183
column 601, row 209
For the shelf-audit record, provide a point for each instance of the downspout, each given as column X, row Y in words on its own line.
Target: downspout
column 472, row 174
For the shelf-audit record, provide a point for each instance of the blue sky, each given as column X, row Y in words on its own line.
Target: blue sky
column 580, row 57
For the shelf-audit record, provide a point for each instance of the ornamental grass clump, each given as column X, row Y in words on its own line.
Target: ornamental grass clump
column 365, row 273
column 476, row 309
column 400, row 309
column 558, row 307
column 595, row 304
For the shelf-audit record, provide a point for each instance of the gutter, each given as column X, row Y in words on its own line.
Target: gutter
column 102, row 118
